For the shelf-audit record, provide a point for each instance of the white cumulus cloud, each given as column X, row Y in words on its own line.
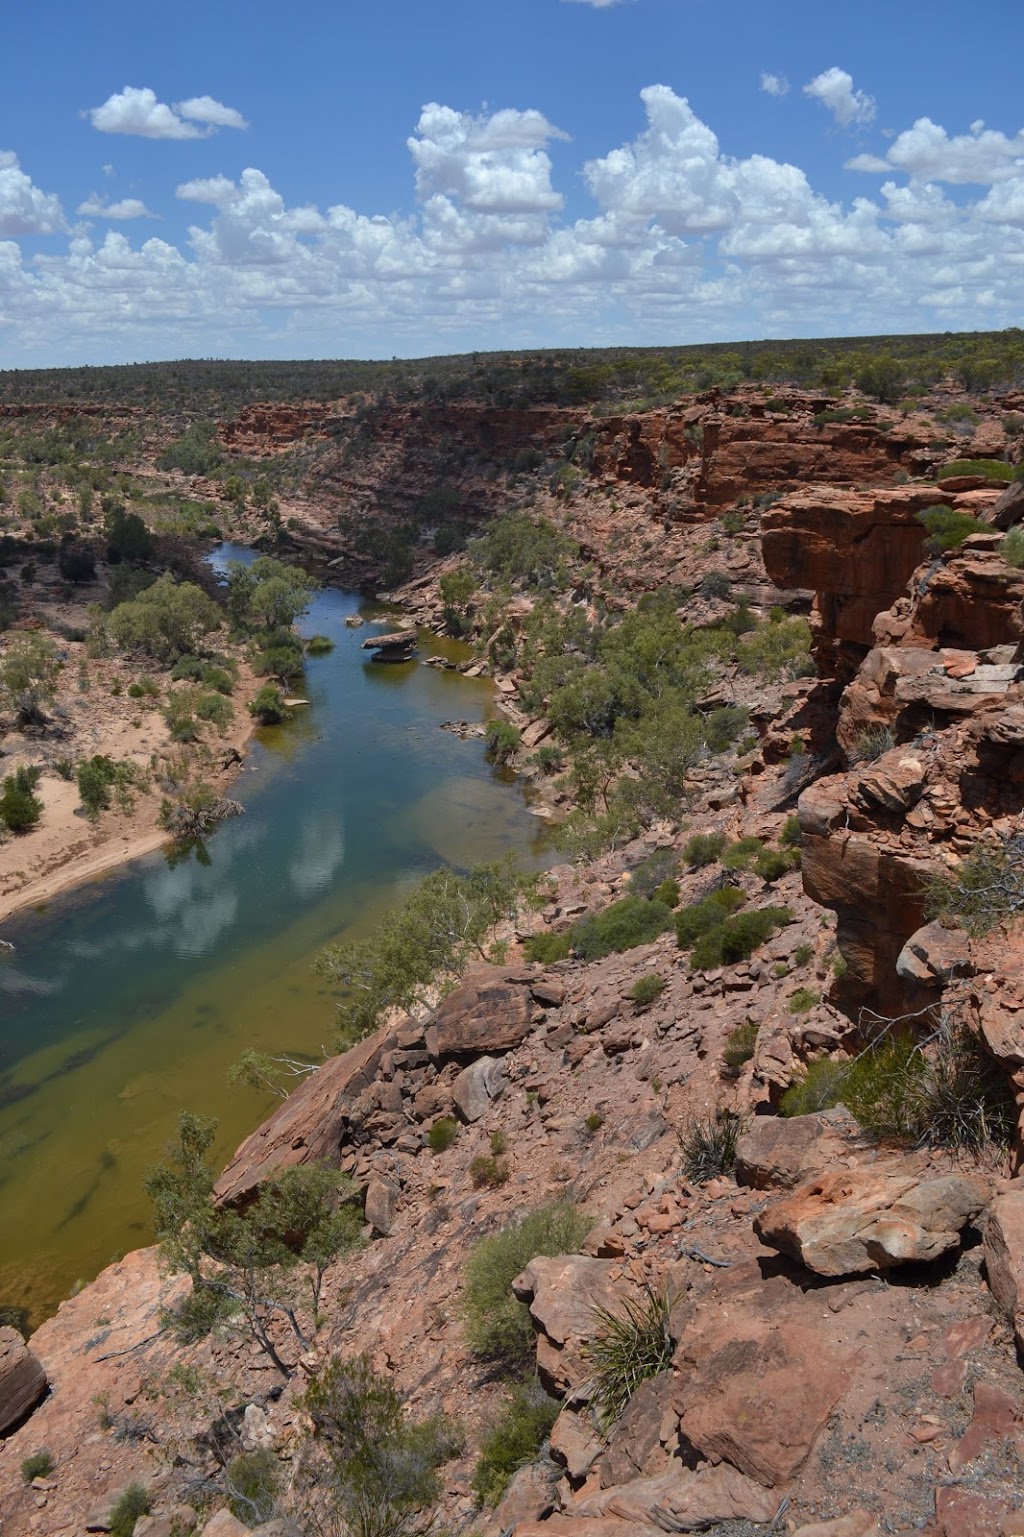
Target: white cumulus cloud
column 774, row 85
column 928, row 152
column 834, row 89
column 495, row 164
column 136, row 111
column 24, row 209
column 126, row 208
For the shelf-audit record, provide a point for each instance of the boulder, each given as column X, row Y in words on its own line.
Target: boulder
column 574, row 1443
column 756, row 1393
column 1004, row 1256
column 529, row 1497
column 381, row 1204
column 476, row 1086
column 491, row 1011
column 309, row 1126
column 562, row 1293
column 934, row 954
column 22, row 1379
column 847, row 1223
column 683, row 1501
column 224, row 1524
column 781, row 1151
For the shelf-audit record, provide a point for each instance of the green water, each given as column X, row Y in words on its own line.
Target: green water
column 131, row 997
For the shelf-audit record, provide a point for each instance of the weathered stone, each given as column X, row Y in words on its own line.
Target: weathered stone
column 476, row 1086
column 846, row 1223
column 1004, row 1256
column 381, row 1204
column 529, row 1497
column 574, row 1444
column 491, row 1011
column 683, row 1501
column 22, row 1379
column 934, row 954
column 859, row 1523
column 635, row 1449
column 995, row 1420
column 308, row 1127
column 224, row 1524
column 782, row 1151
column 962, row 1513
column 562, row 1292
column 756, row 1394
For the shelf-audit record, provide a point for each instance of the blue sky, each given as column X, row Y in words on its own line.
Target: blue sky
column 407, row 178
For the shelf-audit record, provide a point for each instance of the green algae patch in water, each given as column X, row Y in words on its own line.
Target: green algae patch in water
column 132, row 997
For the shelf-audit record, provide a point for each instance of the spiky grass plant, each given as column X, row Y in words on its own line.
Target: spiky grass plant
column 631, row 1346
column 709, row 1145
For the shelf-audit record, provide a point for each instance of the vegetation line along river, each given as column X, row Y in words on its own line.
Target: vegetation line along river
column 131, row 997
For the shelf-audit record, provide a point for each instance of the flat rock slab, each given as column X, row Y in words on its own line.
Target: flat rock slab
column 861, row 1220
column 783, row 1151
column 489, row 1012
column 684, row 1501
column 1004, row 1256
column 22, row 1379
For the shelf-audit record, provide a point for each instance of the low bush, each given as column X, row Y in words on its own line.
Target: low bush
column 546, row 947
column 187, row 669
column 872, row 743
column 498, row 1325
column 737, row 938
column 992, row 469
column 740, row 1044
column 20, row 808
column 802, row 954
column 986, row 889
column 144, row 688
column 646, row 989
column 707, row 914
column 625, row 924
column 442, row 1134
column 593, row 1123
column 251, row 1482
column 38, row 1465
column 133, row 1502
column 319, row 645
column 709, row 1145
column 513, row 1441
column 100, row 777
column 653, row 873
column 215, row 709
column 802, row 1001
column 1012, row 547
column 630, row 1347
column 488, row 1172
column 268, row 706
column 502, row 741
column 772, row 864
column 820, row 1087
column 948, row 527
column 790, row 835
column 218, row 678
column 738, row 855
column 703, row 849
column 668, row 892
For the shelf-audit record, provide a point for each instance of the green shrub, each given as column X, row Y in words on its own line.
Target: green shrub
column 802, row 1001
column 550, row 760
column 668, row 893
column 707, row 914
column 790, row 834
column 488, row 1172
column 987, row 888
column 513, row 1441
column 20, row 809
column 1011, row 547
column 948, row 527
column 593, row 1122
column 497, row 1324
column 740, row 1044
column 251, row 1482
column 737, row 938
column 132, row 1503
column 629, row 922
column 777, row 650
column 703, row 849
column 738, row 855
column 546, row 947
column 772, row 864
column 709, row 1145
column 646, row 989
column 820, row 1088
column 802, row 954
column 38, row 1465
column 503, row 741
column 715, row 584
column 654, row 872
column 280, row 661
column 442, row 1134
column 319, row 645
column 218, row 678
column 187, row 669
column 992, row 469
column 630, row 1347
column 216, row 709
column 872, row 743
column 268, row 706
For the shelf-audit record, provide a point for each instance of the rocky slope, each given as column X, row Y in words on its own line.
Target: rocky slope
column 844, row 1315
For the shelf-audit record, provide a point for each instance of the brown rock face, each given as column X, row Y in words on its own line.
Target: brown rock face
column 850, row 1223
column 491, row 1011
column 22, row 1379
column 308, row 1126
column 780, row 1152
column 1004, row 1256
column 677, row 1501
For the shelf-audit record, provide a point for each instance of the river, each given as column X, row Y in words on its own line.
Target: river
column 130, row 997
